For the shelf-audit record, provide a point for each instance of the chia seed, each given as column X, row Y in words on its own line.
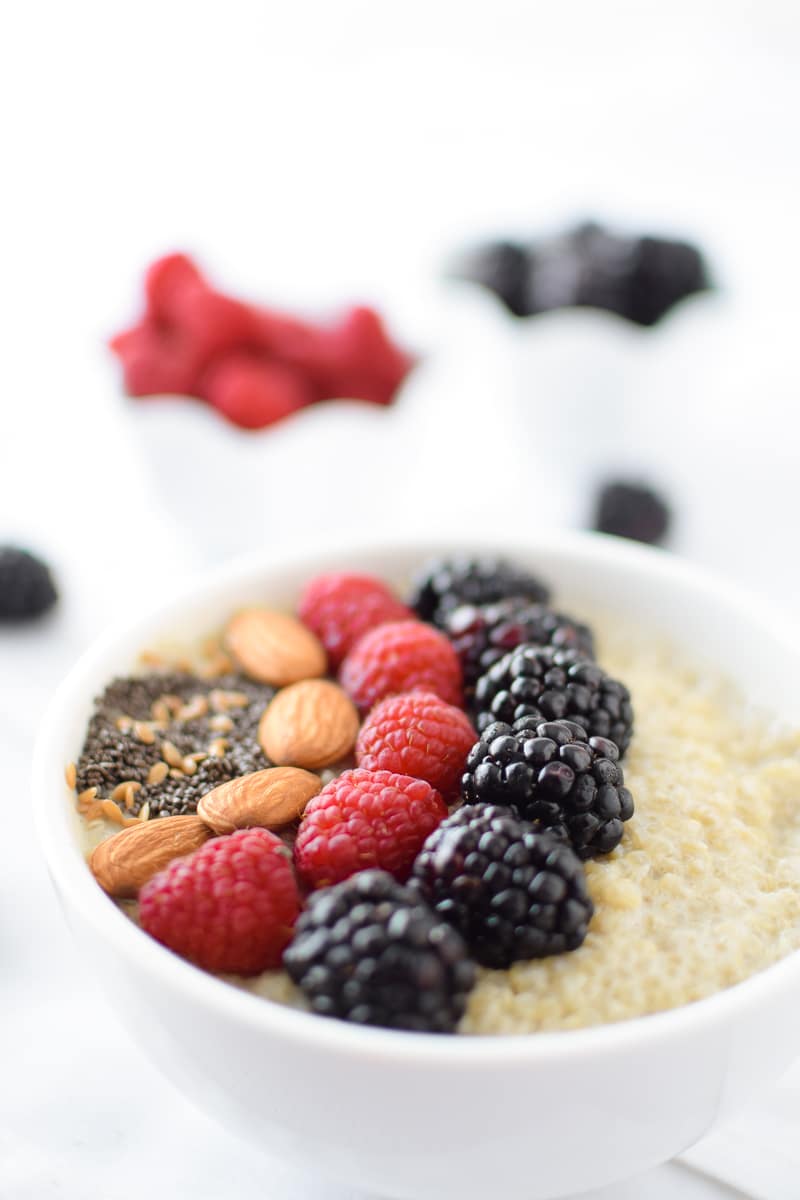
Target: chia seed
column 111, row 756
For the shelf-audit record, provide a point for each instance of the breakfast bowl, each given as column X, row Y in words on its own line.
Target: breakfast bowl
column 421, row 1116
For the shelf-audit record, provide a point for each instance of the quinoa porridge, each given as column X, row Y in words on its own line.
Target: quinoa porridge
column 702, row 891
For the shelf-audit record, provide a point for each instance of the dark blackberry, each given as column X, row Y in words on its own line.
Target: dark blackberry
column 592, row 267
column 113, row 755
column 368, row 950
column 554, row 776
column 662, row 273
column 632, row 510
column 482, row 634
column 502, row 267
column 441, row 586
column 513, row 891
column 26, row 585
column 554, row 685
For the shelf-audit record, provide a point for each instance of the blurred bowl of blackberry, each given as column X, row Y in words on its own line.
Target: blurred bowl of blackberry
column 637, row 277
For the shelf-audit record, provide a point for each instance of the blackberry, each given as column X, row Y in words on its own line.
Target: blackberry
column 441, row 586
column 632, row 510
column 368, row 950
column 502, row 267
column 662, row 273
column 26, row 585
column 554, row 776
column 482, row 634
column 638, row 278
column 513, row 892
column 554, row 685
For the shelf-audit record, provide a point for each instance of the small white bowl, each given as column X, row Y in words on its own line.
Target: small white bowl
column 419, row 1116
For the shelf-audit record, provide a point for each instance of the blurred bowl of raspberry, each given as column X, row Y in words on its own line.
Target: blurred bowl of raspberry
column 244, row 408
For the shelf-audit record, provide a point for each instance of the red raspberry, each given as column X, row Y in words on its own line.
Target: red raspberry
column 340, row 607
column 166, row 280
column 155, row 362
column 252, row 392
column 417, row 734
column 404, row 656
column 230, row 906
column 365, row 819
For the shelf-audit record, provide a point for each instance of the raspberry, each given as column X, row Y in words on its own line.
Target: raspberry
column 155, row 362
column 215, row 324
column 417, row 734
column 365, row 819
column 340, row 607
column 403, row 656
column 253, row 393
column 166, row 279
column 228, row 907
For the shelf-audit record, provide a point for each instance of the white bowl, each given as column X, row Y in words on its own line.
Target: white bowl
column 419, row 1116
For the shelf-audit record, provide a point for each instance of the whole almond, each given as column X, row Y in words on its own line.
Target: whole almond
column 274, row 648
column 310, row 724
column 122, row 863
column 271, row 799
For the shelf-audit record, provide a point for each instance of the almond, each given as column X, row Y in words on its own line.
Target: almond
column 271, row 799
column 122, row 863
column 274, row 648
column 310, row 724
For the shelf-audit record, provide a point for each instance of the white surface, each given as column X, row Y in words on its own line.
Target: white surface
column 311, row 152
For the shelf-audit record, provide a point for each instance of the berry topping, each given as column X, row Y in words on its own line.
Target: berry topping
column 365, row 819
column 554, row 776
column 26, row 585
column 512, row 891
column 631, row 510
column 442, row 586
column 639, row 278
column 417, row 734
column 402, row 656
column 229, row 907
column 253, row 392
column 482, row 634
column 555, row 685
column 340, row 607
column 368, row 951
column 255, row 365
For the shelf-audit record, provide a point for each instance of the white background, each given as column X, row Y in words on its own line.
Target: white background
column 316, row 153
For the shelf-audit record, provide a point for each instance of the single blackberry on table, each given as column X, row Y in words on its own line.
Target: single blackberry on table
column 555, row 776
column 26, row 585
column 632, row 510
column 483, row 634
column 441, row 586
column 554, row 685
column 513, row 891
column 369, row 950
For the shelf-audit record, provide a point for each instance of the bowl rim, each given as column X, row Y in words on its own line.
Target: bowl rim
column 76, row 886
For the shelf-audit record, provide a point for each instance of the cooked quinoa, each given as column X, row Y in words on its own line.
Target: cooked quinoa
column 704, row 889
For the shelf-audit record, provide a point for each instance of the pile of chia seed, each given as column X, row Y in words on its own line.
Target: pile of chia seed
column 111, row 756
